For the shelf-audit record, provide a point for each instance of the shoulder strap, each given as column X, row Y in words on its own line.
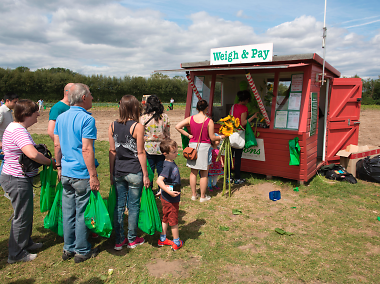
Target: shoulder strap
column 149, row 120
column 133, row 130
column 200, row 134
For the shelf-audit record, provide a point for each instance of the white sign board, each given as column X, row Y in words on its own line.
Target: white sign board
column 242, row 54
column 255, row 153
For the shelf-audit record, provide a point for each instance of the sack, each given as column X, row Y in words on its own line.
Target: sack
column 48, row 178
column 185, row 139
column 190, row 153
column 368, row 169
column 250, row 139
column 294, row 151
column 237, row 139
column 96, row 216
column 53, row 220
column 27, row 164
column 149, row 218
column 150, row 172
column 337, row 172
column 111, row 202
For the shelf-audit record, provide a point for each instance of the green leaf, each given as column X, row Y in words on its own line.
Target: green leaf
column 224, row 228
column 237, row 212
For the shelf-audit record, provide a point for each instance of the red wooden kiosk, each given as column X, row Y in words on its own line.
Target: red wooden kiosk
column 324, row 117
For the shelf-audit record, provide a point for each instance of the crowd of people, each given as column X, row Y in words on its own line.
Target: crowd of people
column 136, row 140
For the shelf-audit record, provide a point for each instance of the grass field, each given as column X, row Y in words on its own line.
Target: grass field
column 335, row 225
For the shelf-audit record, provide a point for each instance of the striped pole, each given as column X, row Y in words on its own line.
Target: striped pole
column 257, row 97
column 195, row 90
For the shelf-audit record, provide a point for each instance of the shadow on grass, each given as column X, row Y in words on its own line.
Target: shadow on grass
column 24, row 281
column 191, row 230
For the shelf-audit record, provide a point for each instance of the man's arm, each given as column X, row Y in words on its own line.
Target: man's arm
column 89, row 160
column 58, row 155
column 50, row 129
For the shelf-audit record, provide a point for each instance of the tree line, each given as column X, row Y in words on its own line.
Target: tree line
column 48, row 84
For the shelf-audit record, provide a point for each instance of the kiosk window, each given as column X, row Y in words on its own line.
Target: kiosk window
column 288, row 102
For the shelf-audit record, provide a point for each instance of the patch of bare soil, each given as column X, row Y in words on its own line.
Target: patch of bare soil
column 104, row 117
column 177, row 268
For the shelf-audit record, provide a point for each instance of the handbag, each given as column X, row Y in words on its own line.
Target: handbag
column 27, row 164
column 191, row 153
column 237, row 139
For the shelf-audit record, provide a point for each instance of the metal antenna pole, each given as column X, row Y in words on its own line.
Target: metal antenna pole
column 324, row 45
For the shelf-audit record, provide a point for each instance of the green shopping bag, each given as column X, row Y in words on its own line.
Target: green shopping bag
column 48, row 178
column 149, row 218
column 53, row 220
column 96, row 216
column 250, row 139
column 111, row 202
column 150, row 172
column 185, row 139
column 295, row 151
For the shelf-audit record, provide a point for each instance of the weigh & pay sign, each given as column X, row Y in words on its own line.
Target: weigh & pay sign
column 242, row 54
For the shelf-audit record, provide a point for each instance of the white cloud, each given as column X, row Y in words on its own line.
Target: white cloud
column 110, row 39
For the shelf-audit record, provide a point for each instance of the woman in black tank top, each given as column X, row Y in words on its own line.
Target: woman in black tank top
column 128, row 170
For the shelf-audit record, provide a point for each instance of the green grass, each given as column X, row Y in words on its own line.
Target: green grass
column 335, row 226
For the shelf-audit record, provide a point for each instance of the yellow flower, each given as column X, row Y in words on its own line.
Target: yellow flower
column 224, row 118
column 229, row 124
column 237, row 122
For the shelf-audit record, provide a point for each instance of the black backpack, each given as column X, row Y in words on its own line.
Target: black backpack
column 27, row 164
column 337, row 172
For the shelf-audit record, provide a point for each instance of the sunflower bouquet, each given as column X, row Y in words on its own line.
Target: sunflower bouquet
column 229, row 125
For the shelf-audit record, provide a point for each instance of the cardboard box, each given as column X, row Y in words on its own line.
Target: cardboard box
column 353, row 153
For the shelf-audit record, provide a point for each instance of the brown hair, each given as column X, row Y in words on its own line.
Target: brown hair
column 129, row 108
column 202, row 105
column 167, row 145
column 24, row 108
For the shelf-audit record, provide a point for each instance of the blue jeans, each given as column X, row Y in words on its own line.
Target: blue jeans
column 75, row 197
column 130, row 185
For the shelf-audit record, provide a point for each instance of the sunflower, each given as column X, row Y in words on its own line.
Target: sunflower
column 237, row 122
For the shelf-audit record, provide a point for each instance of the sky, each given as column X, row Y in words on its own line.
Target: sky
column 135, row 38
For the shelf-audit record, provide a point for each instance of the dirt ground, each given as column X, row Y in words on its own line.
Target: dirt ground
column 369, row 133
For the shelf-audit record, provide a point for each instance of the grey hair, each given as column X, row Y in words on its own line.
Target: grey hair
column 76, row 93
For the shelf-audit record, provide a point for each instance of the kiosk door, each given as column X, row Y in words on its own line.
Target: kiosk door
column 343, row 116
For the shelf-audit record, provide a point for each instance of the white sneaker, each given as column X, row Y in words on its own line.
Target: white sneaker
column 195, row 197
column 28, row 257
column 207, row 198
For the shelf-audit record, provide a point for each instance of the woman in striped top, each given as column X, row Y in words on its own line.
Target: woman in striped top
column 19, row 185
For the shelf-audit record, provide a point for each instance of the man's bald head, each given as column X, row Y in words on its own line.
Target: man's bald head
column 67, row 88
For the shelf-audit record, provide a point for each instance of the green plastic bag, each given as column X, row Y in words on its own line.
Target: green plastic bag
column 53, row 220
column 150, row 172
column 149, row 218
column 111, row 202
column 250, row 139
column 295, row 151
column 96, row 216
column 185, row 139
column 48, row 178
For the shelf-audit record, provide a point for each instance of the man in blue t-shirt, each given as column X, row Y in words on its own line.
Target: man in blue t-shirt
column 60, row 107
column 170, row 183
column 74, row 136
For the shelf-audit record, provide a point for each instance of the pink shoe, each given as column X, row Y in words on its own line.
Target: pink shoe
column 120, row 246
column 216, row 187
column 138, row 241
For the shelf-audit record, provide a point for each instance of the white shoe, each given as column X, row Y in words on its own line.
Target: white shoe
column 195, row 197
column 207, row 198
column 28, row 257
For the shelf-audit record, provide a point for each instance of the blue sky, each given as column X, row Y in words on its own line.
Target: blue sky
column 118, row 38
